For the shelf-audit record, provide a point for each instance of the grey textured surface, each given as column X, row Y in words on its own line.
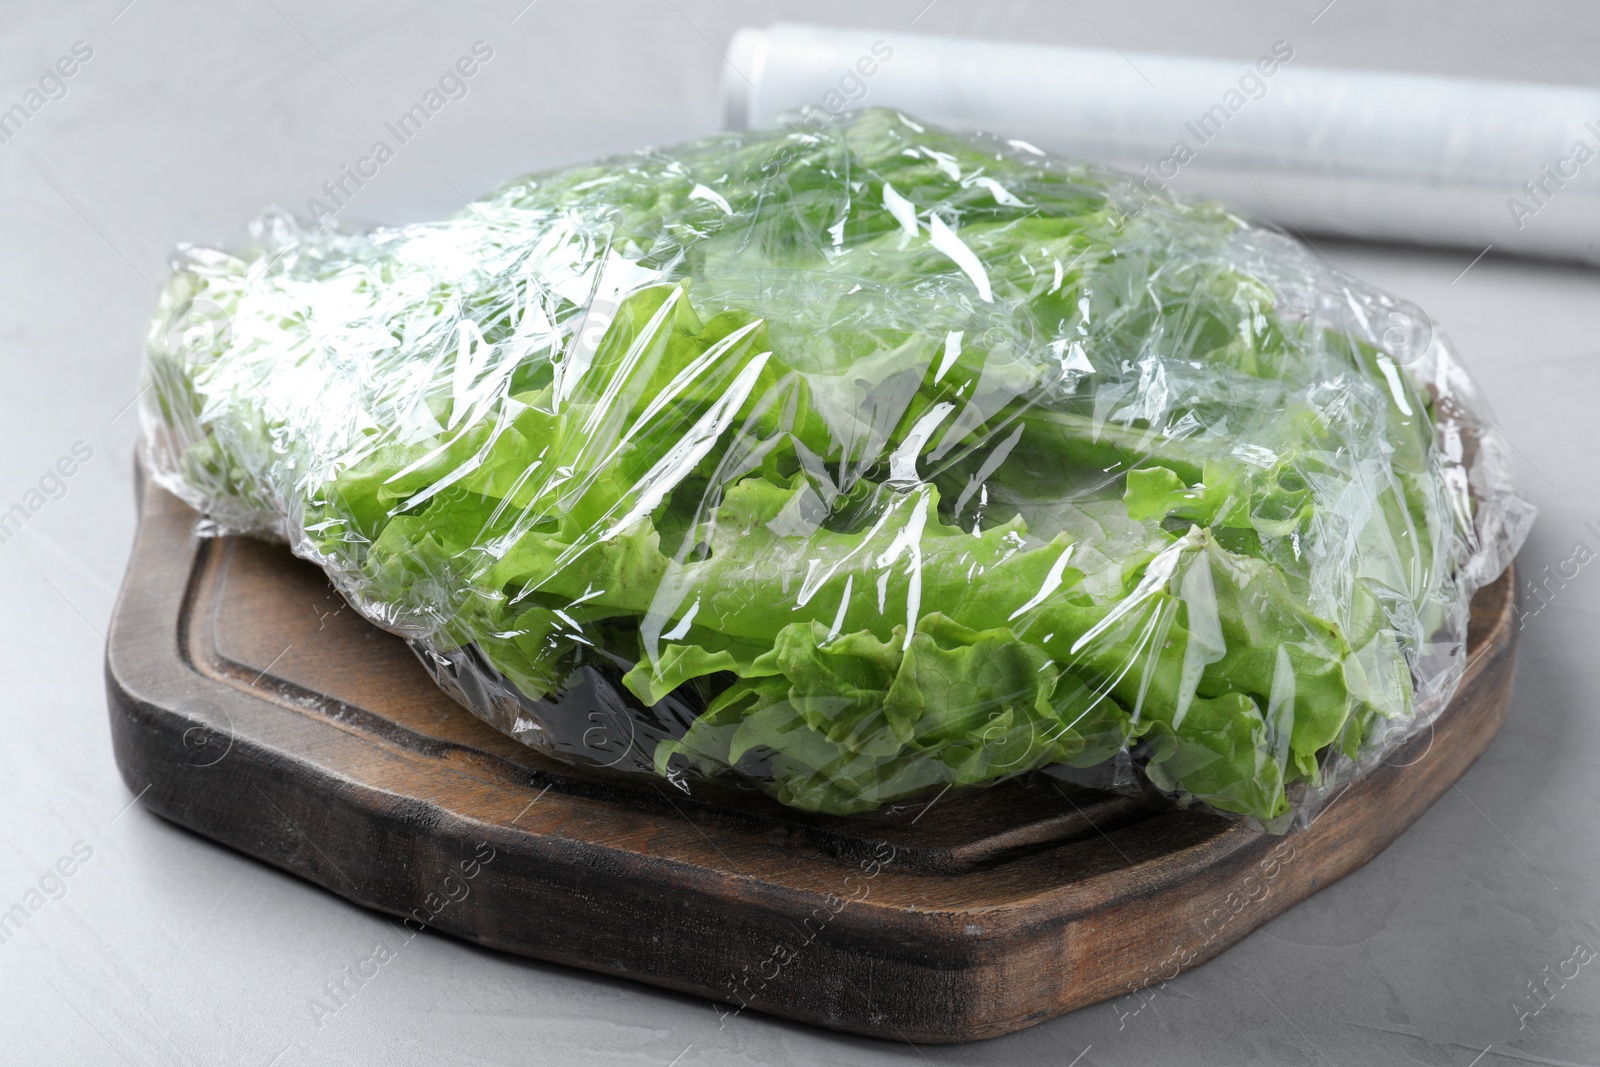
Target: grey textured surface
column 164, row 949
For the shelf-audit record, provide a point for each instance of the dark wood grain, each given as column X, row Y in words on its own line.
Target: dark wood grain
column 263, row 713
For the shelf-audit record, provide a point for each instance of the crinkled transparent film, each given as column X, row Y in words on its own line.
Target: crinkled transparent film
column 859, row 460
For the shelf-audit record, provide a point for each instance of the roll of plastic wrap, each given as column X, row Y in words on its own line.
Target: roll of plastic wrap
column 1397, row 157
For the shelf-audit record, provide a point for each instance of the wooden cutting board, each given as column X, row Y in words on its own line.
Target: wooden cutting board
column 259, row 710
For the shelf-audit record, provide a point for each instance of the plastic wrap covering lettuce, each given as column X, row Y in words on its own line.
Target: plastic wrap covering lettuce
column 859, row 462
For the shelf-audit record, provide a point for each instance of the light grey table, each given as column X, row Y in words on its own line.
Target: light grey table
column 160, row 948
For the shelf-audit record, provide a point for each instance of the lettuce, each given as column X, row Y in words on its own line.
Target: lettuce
column 856, row 464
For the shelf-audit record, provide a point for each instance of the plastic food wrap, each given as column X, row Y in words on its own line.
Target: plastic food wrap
column 1464, row 162
column 857, row 460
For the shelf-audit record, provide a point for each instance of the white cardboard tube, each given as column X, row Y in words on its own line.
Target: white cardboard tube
column 1394, row 157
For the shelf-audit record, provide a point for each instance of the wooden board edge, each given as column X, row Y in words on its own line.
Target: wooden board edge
column 147, row 735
